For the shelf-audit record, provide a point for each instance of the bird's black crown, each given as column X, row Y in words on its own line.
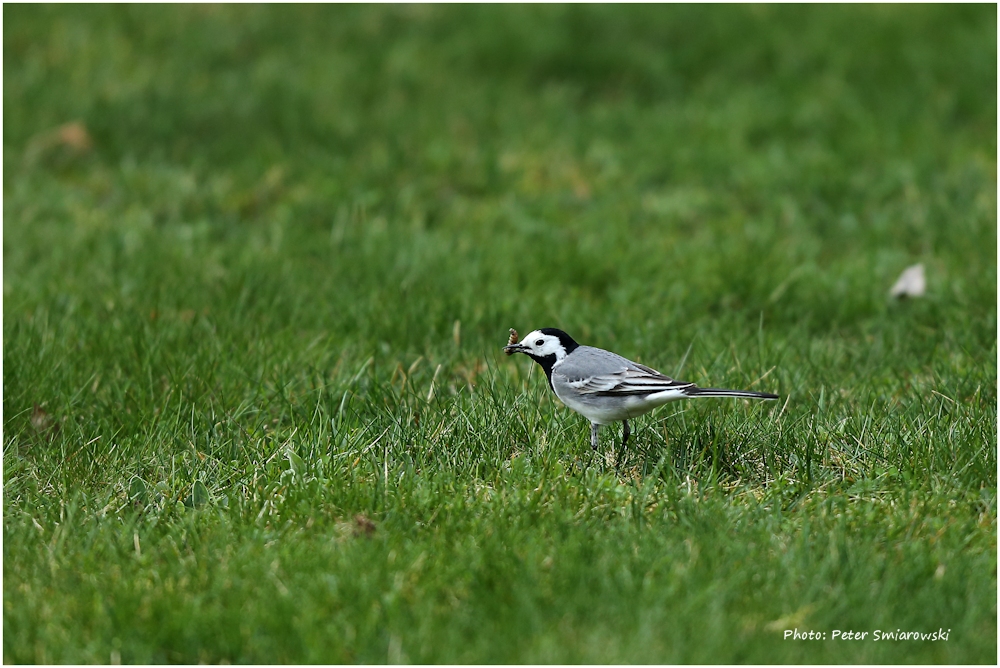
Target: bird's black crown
column 565, row 339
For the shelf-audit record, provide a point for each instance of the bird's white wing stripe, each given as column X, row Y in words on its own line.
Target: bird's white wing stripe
column 626, row 381
column 595, row 384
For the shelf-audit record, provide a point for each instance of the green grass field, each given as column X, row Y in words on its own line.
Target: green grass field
column 259, row 263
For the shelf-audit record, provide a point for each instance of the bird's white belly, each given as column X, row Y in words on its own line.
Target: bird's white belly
column 607, row 409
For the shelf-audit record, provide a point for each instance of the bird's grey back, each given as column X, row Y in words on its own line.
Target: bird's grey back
column 587, row 361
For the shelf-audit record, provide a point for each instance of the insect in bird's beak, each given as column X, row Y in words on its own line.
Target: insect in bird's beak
column 512, row 345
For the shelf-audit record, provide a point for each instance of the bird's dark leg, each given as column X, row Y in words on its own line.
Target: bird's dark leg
column 621, row 453
column 593, row 434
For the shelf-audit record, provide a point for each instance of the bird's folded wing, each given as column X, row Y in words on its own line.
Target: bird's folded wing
column 641, row 380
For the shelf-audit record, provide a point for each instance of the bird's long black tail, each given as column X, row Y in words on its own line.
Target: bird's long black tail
column 718, row 392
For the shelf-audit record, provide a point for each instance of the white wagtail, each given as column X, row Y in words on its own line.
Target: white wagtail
column 605, row 387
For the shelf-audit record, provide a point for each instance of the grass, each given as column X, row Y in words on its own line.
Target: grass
column 254, row 407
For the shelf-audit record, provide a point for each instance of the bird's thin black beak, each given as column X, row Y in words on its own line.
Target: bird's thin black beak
column 514, row 348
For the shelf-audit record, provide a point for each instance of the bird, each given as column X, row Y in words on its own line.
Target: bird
column 603, row 386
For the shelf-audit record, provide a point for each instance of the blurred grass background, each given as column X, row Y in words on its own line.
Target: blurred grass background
column 259, row 262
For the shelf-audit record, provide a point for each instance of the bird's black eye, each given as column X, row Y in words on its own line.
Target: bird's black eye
column 539, row 342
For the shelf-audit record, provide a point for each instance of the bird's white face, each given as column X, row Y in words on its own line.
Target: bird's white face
column 537, row 344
